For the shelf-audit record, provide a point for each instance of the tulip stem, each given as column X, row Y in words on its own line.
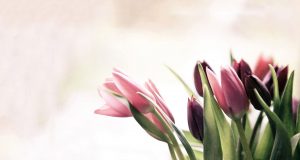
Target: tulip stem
column 171, row 149
column 243, row 139
column 170, row 134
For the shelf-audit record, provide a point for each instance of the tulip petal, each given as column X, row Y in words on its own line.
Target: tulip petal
column 129, row 89
column 218, row 92
column 159, row 100
column 110, row 85
column 110, row 111
column 114, row 103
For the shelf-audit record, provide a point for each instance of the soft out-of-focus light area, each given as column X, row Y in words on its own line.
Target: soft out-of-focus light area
column 54, row 55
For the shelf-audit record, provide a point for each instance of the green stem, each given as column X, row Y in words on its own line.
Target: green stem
column 172, row 151
column 170, row 134
column 243, row 140
column 256, row 128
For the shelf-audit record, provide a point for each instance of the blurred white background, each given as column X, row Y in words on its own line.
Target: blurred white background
column 55, row 53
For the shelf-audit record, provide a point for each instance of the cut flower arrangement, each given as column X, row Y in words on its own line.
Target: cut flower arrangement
column 218, row 112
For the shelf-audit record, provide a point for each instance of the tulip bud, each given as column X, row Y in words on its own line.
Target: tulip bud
column 195, row 118
column 251, row 83
column 197, row 77
column 281, row 74
column 242, row 69
column 231, row 95
column 262, row 66
column 130, row 90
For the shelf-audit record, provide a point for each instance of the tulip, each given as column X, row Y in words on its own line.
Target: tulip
column 295, row 107
column 158, row 99
column 251, row 83
column 231, row 94
column 113, row 106
column 195, row 118
column 281, row 74
column 262, row 66
column 197, row 77
column 130, row 90
column 242, row 69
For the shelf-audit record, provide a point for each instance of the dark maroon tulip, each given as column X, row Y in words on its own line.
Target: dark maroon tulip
column 197, row 77
column 251, row 83
column 282, row 75
column 230, row 94
column 195, row 118
column 262, row 66
column 242, row 69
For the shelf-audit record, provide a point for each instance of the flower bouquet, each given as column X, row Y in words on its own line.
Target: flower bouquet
column 222, row 128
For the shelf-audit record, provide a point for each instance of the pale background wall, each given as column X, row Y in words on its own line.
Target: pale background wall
column 55, row 53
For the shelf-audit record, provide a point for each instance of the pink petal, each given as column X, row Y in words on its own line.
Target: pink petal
column 262, row 66
column 159, row 100
column 234, row 91
column 114, row 103
column 110, row 85
column 109, row 111
column 129, row 89
column 217, row 90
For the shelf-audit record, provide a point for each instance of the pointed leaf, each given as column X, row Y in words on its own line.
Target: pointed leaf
column 265, row 143
column 276, row 97
column 298, row 120
column 185, row 143
column 225, row 132
column 295, row 141
column 147, row 125
column 186, row 87
column 282, row 145
column 285, row 111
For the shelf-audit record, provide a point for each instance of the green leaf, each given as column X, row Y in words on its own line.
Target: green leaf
column 185, row 143
column 147, row 125
column 248, row 129
column 265, row 143
column 298, row 119
column 295, row 141
column 211, row 140
column 191, row 139
column 276, row 97
column 285, row 110
column 282, row 145
column 224, row 130
column 256, row 132
column 186, row 87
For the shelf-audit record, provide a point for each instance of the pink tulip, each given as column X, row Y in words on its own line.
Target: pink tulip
column 159, row 100
column 262, row 66
column 113, row 106
column 231, row 94
column 130, row 90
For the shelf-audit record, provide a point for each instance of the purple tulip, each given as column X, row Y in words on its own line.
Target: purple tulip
column 282, row 75
column 130, row 89
column 231, row 94
column 197, row 77
column 251, row 83
column 195, row 118
column 242, row 69
column 262, row 66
